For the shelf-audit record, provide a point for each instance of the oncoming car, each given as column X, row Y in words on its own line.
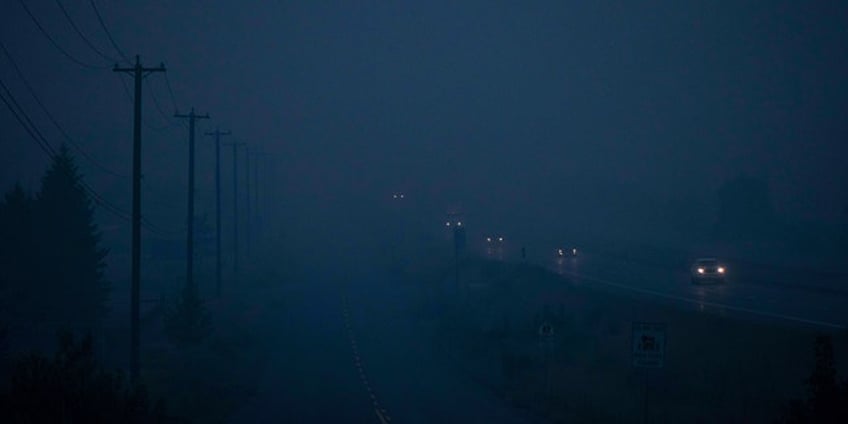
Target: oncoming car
column 708, row 270
column 563, row 252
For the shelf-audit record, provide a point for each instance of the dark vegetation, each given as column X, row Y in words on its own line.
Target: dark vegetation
column 718, row 368
column 71, row 387
column 52, row 281
column 745, row 210
column 50, row 256
column 827, row 397
column 187, row 322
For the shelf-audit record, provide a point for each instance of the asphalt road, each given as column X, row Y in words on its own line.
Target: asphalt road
column 346, row 350
column 751, row 291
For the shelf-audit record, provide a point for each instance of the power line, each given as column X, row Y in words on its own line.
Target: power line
column 171, row 91
column 64, row 133
column 45, row 148
column 144, row 121
column 106, row 30
column 84, row 38
column 36, row 135
column 54, row 43
column 162, row 111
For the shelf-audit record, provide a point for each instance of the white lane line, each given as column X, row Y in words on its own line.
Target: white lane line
column 382, row 415
column 708, row 303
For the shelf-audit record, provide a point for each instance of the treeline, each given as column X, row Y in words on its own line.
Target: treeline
column 52, row 281
column 827, row 396
column 51, row 263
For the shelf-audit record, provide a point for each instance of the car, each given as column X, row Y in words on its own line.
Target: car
column 708, row 270
column 494, row 240
column 563, row 252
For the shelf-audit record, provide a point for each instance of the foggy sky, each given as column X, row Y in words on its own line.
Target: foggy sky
column 512, row 111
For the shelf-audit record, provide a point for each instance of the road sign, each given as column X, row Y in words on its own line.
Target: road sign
column 648, row 344
column 546, row 330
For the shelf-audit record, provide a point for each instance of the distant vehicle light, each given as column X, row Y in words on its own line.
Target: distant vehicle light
column 447, row 224
column 488, row 239
column 459, row 223
column 500, row 238
column 401, row 196
column 574, row 252
column 560, row 252
column 700, row 270
column 721, row 270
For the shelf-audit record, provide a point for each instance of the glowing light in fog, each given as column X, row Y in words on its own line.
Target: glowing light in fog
column 700, row 270
column 721, row 270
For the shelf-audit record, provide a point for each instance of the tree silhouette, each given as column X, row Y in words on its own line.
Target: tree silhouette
column 187, row 322
column 71, row 388
column 71, row 260
column 827, row 400
column 745, row 210
column 17, row 256
column 822, row 384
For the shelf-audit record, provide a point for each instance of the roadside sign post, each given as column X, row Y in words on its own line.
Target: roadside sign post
column 648, row 344
column 546, row 335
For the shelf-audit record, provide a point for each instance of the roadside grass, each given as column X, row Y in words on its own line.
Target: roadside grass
column 718, row 367
column 207, row 382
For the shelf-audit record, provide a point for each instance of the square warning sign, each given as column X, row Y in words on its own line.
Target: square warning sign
column 648, row 344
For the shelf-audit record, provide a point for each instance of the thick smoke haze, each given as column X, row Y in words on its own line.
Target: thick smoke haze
column 568, row 110
column 643, row 135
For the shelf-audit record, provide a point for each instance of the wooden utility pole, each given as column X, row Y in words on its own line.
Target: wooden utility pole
column 218, row 133
column 247, row 227
column 190, row 218
column 235, row 208
column 138, row 72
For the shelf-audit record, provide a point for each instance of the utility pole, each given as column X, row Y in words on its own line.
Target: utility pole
column 138, row 72
column 247, row 227
column 235, row 207
column 257, row 224
column 218, row 133
column 190, row 221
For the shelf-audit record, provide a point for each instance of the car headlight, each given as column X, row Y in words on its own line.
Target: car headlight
column 700, row 270
column 721, row 270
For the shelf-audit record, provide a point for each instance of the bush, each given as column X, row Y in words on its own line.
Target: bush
column 71, row 388
column 828, row 400
column 187, row 322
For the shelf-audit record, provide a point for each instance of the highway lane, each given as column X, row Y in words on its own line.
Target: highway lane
column 415, row 381
column 310, row 376
column 802, row 303
column 346, row 349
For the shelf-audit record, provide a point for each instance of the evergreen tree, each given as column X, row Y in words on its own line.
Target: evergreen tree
column 823, row 385
column 18, row 259
column 72, row 388
column 745, row 210
column 827, row 402
column 71, row 260
column 187, row 322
